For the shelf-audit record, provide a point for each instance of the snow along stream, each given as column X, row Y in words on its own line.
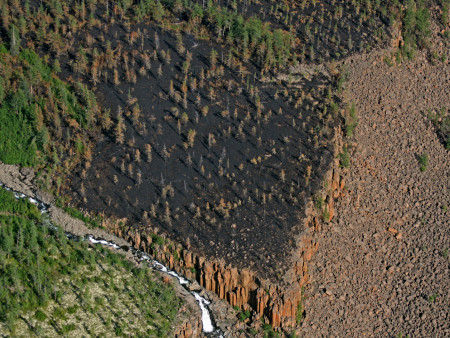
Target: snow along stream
column 207, row 321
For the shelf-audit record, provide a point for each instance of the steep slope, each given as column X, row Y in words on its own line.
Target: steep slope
column 52, row 285
column 382, row 267
column 219, row 130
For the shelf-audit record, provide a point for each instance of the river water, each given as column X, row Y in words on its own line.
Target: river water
column 209, row 327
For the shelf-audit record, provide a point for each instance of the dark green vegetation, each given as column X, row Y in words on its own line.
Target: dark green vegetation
column 416, row 27
column 31, row 96
column 344, row 158
column 423, row 161
column 51, row 286
column 432, row 298
column 299, row 313
column 269, row 332
column 19, row 136
column 243, row 315
column 351, row 121
column 44, row 122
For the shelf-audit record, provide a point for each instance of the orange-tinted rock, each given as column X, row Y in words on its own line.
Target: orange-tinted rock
column 137, row 240
column 331, row 208
column 392, row 231
column 335, row 181
column 231, row 298
column 189, row 330
column 342, row 185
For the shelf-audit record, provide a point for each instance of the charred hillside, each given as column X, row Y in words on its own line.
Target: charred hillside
column 193, row 139
column 201, row 148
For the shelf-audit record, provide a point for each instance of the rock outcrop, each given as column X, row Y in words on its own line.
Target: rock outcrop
column 189, row 328
column 189, row 315
column 276, row 302
column 21, row 180
column 18, row 179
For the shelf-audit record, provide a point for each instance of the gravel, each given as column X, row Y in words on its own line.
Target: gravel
column 368, row 280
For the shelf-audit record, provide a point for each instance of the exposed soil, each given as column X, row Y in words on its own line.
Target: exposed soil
column 382, row 267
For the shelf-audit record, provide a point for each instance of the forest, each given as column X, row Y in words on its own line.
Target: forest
column 50, row 285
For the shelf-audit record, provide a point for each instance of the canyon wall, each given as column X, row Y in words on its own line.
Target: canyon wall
column 191, row 327
column 277, row 302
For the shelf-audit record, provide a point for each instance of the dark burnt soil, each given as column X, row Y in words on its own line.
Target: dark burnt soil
column 193, row 140
column 231, row 181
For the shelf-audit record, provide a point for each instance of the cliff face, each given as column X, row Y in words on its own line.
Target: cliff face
column 277, row 302
column 189, row 329
column 189, row 315
column 188, row 322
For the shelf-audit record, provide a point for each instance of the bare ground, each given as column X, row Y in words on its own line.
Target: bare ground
column 382, row 268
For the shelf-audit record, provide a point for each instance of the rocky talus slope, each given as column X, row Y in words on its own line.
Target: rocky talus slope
column 382, row 268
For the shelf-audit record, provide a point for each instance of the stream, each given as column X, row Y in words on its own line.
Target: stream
column 210, row 330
